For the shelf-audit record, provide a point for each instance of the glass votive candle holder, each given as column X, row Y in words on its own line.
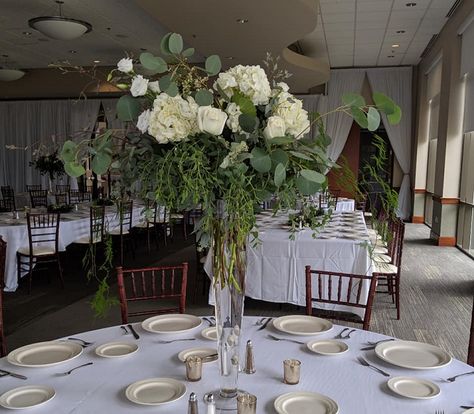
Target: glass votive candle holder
column 291, row 371
column 246, row 404
column 193, row 368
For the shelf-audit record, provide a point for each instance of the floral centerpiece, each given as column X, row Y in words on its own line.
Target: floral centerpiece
column 222, row 140
column 48, row 163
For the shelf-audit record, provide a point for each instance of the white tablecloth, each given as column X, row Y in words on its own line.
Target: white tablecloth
column 276, row 267
column 345, row 204
column 73, row 226
column 356, row 389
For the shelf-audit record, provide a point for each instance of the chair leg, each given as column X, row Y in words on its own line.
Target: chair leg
column 148, row 240
column 30, row 274
column 397, row 295
column 121, row 250
column 60, row 271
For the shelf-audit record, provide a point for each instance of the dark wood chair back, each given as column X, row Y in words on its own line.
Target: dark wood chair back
column 361, row 203
column 97, row 222
column 8, row 195
column 125, row 211
column 152, row 284
column 470, row 351
column 86, row 197
column 75, row 197
column 340, row 289
column 43, row 228
column 63, row 188
column 3, row 257
column 61, row 199
column 39, row 198
column 33, row 187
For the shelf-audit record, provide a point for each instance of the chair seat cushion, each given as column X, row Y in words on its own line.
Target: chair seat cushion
column 382, row 258
column 86, row 240
column 143, row 225
column 116, row 231
column 385, row 268
column 37, row 250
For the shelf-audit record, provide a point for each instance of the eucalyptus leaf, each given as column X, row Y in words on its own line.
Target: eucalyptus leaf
column 175, row 43
column 152, row 63
column 384, row 103
column 353, row 99
column 164, row 82
column 128, row 108
column 373, row 119
column 279, row 156
column 307, row 187
column 260, row 160
column 68, row 152
column 301, row 155
column 313, row 176
column 213, row 65
column 245, row 104
column 248, row 122
column 172, row 90
column 188, row 52
column 74, row 169
column 280, row 175
column 164, row 44
column 360, row 117
column 281, row 140
column 396, row 117
column 101, row 162
column 203, row 97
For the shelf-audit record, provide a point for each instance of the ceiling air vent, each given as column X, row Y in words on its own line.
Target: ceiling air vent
column 451, row 11
column 429, row 45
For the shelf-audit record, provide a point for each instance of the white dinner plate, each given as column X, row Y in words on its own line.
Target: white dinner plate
column 44, row 354
column 200, row 352
column 305, row 403
column 327, row 347
column 413, row 355
column 302, row 325
column 416, row 388
column 171, row 323
column 155, row 391
column 26, row 397
column 116, row 349
column 469, row 411
column 210, row 333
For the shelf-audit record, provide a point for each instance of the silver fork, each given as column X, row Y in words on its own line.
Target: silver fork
column 209, row 321
column 175, row 340
column 73, row 369
column 379, row 342
column 275, row 338
column 366, row 364
column 339, row 336
column 374, row 344
column 260, row 322
column 85, row 343
column 452, row 379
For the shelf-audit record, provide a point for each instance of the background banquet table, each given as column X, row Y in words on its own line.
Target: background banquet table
column 100, row 388
column 345, row 204
column 73, row 226
column 276, row 266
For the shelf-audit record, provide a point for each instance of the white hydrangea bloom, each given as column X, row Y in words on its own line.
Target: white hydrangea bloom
column 173, row 119
column 252, row 81
column 235, row 150
column 233, row 111
column 290, row 109
column 143, row 121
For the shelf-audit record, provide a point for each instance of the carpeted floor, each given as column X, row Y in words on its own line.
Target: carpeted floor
column 437, row 292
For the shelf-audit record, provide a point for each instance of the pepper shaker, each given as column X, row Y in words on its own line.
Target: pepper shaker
column 193, row 404
column 249, row 359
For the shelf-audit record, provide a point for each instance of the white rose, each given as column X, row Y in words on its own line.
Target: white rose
column 283, row 86
column 143, row 121
column 211, row 120
column 125, row 65
column 154, row 86
column 275, row 127
column 139, row 86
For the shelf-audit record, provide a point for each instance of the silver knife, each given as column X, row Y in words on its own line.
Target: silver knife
column 265, row 324
column 134, row 332
column 12, row 374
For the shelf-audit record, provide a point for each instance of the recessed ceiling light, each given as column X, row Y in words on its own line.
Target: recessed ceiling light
column 395, row 45
column 27, row 33
column 401, row 31
column 96, row 61
column 242, row 21
column 229, row 57
column 72, row 52
column 411, row 4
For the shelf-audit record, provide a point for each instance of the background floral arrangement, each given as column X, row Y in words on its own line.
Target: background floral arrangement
column 48, row 164
column 205, row 136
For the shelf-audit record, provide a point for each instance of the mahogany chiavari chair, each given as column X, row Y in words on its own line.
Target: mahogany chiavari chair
column 148, row 224
column 86, row 196
column 8, row 195
column 339, row 288
column 38, row 198
column 63, row 188
column 163, row 284
column 61, row 199
column 75, row 197
column 470, row 351
column 3, row 257
column 124, row 229
column 43, row 245
column 96, row 226
column 163, row 223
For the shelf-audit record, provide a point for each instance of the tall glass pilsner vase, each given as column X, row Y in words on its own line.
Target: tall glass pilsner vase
column 229, row 266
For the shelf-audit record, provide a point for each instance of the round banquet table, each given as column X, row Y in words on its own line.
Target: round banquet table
column 345, row 204
column 100, row 388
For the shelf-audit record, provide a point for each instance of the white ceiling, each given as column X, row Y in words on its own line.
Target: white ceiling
column 362, row 32
column 349, row 32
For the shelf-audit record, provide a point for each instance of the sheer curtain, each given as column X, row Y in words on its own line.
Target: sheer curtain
column 84, row 114
column 313, row 104
column 338, row 125
column 397, row 83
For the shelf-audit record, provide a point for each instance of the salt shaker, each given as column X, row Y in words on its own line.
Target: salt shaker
column 249, row 359
column 193, row 404
column 211, row 405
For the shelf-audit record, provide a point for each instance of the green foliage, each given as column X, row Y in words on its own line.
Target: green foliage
column 154, row 64
column 213, row 65
column 280, row 175
column 175, row 43
column 245, row 104
column 128, row 108
column 248, row 123
column 260, row 160
column 353, row 99
column 203, row 97
column 49, row 164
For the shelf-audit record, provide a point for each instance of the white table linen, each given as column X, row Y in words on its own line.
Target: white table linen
column 100, row 388
column 72, row 227
column 345, row 204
